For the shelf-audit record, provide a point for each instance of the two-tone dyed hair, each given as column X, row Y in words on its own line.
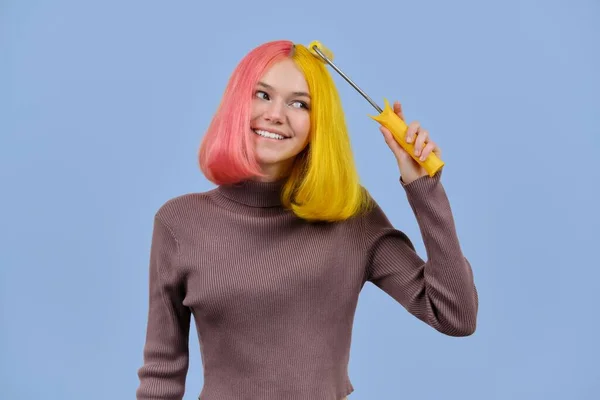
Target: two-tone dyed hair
column 324, row 184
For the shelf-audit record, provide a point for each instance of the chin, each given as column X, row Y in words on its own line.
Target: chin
column 269, row 159
column 273, row 153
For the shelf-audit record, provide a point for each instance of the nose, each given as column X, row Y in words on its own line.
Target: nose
column 275, row 113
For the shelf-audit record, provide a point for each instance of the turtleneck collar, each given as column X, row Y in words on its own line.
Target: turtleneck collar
column 254, row 193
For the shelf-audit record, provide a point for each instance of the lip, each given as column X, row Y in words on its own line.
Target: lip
column 272, row 131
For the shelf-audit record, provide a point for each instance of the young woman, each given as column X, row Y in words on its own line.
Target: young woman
column 271, row 262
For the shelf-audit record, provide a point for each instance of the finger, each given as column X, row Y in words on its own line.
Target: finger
column 429, row 148
column 398, row 109
column 411, row 132
column 422, row 138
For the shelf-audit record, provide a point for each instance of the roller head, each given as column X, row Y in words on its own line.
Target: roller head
column 326, row 52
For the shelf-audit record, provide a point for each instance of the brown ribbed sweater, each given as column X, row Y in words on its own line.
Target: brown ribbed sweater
column 274, row 297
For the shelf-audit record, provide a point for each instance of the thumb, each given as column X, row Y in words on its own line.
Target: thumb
column 398, row 151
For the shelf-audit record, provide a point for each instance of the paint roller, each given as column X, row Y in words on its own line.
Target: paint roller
column 387, row 117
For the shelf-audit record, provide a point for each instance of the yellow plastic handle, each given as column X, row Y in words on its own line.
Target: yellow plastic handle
column 394, row 124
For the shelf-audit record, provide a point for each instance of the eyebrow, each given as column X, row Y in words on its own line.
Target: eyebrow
column 267, row 86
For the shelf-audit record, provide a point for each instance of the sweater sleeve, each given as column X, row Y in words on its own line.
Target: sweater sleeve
column 439, row 291
column 166, row 355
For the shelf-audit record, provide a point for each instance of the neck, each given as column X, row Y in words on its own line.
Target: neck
column 274, row 172
column 255, row 193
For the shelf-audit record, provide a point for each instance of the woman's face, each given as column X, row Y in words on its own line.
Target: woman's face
column 280, row 122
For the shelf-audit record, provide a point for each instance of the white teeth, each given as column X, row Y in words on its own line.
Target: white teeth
column 269, row 135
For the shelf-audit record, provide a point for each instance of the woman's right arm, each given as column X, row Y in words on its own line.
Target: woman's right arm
column 166, row 354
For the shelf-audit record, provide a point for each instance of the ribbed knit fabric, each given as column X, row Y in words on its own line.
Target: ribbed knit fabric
column 274, row 297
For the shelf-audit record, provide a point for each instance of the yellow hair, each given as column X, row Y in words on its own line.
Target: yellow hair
column 324, row 184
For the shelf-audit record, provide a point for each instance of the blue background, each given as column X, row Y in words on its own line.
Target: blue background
column 102, row 108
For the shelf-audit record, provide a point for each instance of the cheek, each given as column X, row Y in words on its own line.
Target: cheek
column 302, row 126
column 258, row 108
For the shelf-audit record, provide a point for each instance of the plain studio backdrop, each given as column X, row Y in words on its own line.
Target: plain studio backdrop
column 103, row 106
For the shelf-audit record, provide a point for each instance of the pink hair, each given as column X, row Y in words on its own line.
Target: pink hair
column 226, row 154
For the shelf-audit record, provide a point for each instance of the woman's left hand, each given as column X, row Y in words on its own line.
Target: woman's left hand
column 409, row 168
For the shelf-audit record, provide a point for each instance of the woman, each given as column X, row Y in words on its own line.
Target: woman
column 271, row 262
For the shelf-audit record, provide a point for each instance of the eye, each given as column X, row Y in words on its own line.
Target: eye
column 300, row 104
column 262, row 95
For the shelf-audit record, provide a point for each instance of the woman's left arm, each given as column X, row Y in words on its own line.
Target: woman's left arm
column 439, row 290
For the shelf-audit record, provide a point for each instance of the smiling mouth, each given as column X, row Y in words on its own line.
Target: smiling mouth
column 269, row 135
